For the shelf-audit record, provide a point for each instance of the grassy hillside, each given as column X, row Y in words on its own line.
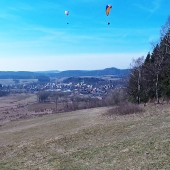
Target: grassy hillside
column 88, row 140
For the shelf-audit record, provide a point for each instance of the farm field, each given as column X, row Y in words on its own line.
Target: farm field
column 87, row 139
column 15, row 107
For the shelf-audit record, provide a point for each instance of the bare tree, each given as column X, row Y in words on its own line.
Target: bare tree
column 43, row 96
column 135, row 80
column 57, row 96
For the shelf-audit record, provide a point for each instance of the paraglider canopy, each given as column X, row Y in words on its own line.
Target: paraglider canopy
column 66, row 13
column 108, row 7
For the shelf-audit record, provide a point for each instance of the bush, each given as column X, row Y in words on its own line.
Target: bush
column 3, row 93
column 125, row 109
column 116, row 96
column 43, row 96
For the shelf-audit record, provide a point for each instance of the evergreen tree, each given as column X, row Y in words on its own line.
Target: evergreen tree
column 148, row 59
column 151, row 79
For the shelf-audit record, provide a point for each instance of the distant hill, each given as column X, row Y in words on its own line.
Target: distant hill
column 18, row 75
column 69, row 73
column 49, row 71
column 108, row 71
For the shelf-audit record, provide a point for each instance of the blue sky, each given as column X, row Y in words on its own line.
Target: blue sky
column 35, row 36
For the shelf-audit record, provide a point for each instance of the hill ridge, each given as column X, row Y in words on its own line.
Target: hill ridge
column 67, row 73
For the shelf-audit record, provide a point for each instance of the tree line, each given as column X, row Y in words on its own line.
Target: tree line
column 150, row 76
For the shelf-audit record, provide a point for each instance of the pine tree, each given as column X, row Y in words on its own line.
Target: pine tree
column 151, row 79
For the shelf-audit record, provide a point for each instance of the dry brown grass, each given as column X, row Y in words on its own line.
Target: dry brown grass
column 125, row 109
column 87, row 140
column 14, row 107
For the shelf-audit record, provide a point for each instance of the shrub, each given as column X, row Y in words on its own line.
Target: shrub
column 125, row 109
column 43, row 96
column 116, row 96
column 3, row 93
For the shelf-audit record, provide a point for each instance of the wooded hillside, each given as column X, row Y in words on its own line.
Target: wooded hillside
column 150, row 77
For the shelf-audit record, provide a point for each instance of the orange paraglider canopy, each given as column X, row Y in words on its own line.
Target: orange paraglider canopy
column 108, row 7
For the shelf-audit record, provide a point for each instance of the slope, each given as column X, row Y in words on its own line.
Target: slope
column 88, row 140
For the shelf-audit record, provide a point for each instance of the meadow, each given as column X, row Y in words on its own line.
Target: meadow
column 88, row 139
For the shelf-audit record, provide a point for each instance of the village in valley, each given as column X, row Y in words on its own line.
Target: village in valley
column 84, row 86
column 27, row 98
